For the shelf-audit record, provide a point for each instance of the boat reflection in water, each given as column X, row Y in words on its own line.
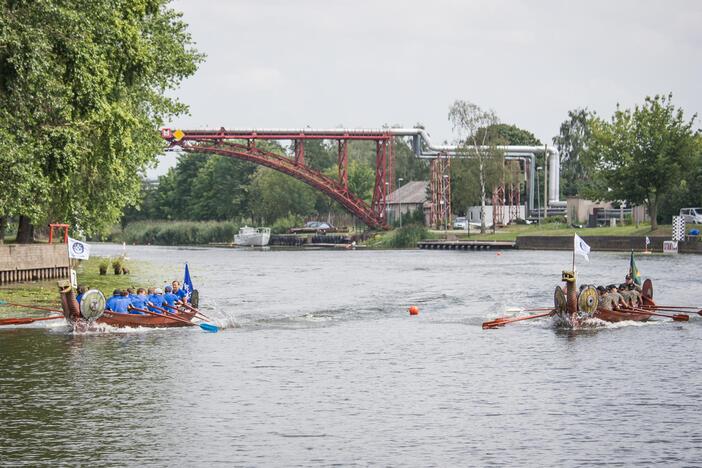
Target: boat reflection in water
column 250, row 236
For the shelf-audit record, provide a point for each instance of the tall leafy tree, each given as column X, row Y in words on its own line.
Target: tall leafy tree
column 83, row 90
column 641, row 155
column 572, row 143
column 472, row 124
column 275, row 195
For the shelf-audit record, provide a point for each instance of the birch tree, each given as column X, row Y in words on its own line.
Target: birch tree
column 467, row 119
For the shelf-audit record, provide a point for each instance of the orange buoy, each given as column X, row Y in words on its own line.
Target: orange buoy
column 414, row 310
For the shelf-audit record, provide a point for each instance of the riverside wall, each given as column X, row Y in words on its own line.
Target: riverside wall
column 33, row 262
column 604, row 243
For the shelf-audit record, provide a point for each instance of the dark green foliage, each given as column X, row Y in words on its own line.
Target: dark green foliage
column 408, row 236
column 642, row 155
column 571, row 144
column 83, row 90
column 179, row 232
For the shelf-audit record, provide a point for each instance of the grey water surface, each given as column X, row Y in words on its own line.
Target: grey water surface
column 320, row 364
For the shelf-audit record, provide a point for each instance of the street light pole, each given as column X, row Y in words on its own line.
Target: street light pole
column 399, row 184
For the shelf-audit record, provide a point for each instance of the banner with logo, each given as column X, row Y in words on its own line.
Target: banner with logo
column 78, row 249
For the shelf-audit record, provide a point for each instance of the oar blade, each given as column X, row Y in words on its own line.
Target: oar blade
column 681, row 318
column 208, row 327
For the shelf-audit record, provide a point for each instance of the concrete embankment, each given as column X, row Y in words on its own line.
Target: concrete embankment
column 604, row 243
column 28, row 262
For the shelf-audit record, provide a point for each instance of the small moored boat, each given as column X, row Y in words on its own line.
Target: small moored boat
column 254, row 237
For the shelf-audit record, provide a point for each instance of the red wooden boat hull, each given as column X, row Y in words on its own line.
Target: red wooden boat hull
column 616, row 316
column 149, row 321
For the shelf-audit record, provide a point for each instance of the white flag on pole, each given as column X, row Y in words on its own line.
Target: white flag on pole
column 78, row 249
column 581, row 248
column 648, row 241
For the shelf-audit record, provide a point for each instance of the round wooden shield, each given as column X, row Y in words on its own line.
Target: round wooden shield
column 195, row 298
column 647, row 289
column 559, row 300
column 588, row 300
column 92, row 305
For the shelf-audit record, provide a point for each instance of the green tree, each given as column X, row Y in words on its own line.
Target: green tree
column 83, row 89
column 572, row 143
column 477, row 142
column 220, row 190
column 512, row 135
column 275, row 195
column 640, row 155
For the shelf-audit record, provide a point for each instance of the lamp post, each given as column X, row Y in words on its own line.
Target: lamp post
column 399, row 184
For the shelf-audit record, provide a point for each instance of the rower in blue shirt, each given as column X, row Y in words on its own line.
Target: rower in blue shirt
column 121, row 303
column 178, row 291
column 169, row 297
column 139, row 301
column 157, row 300
column 81, row 293
column 116, row 294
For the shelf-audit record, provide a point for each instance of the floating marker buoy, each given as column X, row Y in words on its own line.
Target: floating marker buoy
column 499, row 253
column 414, row 310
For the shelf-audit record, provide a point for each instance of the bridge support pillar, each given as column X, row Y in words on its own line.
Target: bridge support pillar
column 343, row 163
column 440, row 213
column 300, row 152
column 382, row 185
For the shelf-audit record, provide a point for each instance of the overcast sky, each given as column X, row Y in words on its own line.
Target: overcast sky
column 363, row 64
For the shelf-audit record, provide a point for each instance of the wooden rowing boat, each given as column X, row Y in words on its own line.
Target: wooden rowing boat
column 92, row 311
column 573, row 308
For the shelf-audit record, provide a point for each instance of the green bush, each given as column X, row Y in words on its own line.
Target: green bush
column 555, row 220
column 179, row 232
column 404, row 238
column 282, row 225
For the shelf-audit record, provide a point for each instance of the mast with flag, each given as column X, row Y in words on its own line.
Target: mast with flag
column 580, row 247
column 188, row 283
column 634, row 271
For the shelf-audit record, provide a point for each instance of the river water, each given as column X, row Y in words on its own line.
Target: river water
column 320, row 364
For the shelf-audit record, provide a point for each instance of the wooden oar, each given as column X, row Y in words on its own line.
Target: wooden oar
column 197, row 311
column 673, row 308
column 204, row 325
column 31, row 307
column 498, row 322
column 24, row 320
column 665, row 309
column 677, row 317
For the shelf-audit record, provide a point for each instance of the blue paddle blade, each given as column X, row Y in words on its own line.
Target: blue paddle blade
column 208, row 327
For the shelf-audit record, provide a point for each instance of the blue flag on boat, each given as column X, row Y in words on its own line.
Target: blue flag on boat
column 187, row 282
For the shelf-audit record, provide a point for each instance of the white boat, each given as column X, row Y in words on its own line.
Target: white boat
column 252, row 236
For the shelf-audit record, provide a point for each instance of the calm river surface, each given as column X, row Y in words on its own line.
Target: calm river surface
column 320, row 364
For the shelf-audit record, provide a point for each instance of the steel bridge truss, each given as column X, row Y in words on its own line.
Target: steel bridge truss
column 242, row 145
column 440, row 186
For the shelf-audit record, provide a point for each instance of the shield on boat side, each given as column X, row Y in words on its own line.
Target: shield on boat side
column 559, row 300
column 588, row 300
column 92, row 305
column 647, row 289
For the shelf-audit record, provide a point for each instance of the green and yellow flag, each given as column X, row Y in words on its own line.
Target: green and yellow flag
column 633, row 271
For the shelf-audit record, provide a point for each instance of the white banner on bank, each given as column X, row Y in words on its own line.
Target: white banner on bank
column 78, row 249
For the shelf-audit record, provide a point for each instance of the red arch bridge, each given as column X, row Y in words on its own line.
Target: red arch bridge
column 241, row 144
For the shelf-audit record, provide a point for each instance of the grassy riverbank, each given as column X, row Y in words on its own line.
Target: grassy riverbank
column 45, row 293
